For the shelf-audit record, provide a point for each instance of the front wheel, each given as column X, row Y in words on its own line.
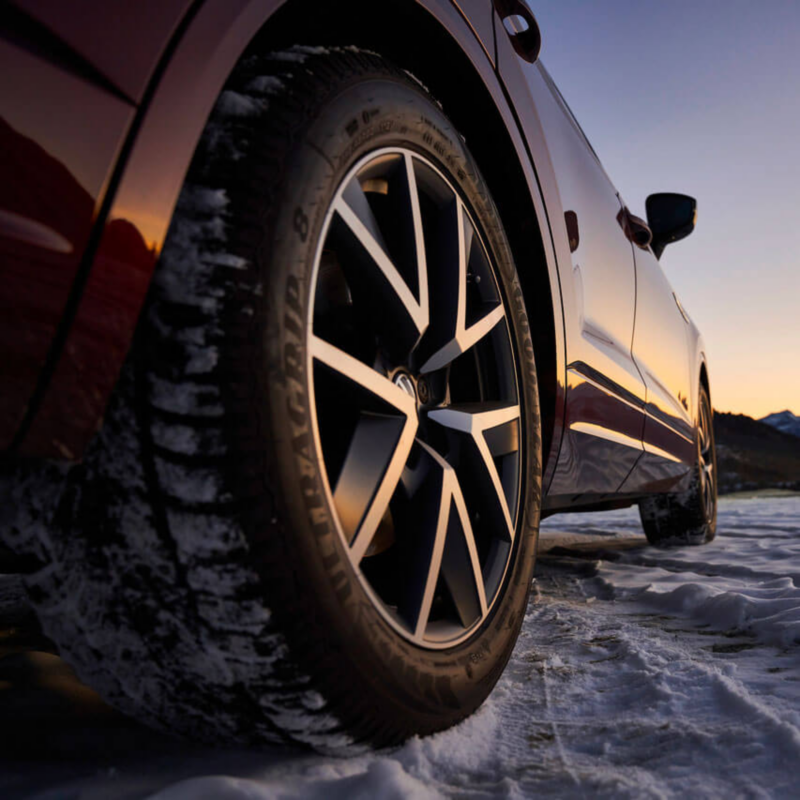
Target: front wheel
column 688, row 517
column 312, row 513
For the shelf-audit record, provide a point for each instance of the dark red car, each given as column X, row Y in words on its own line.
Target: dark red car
column 310, row 310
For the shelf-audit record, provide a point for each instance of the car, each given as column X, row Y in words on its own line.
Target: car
column 310, row 312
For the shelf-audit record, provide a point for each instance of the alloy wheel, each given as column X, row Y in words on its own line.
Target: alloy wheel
column 415, row 398
column 708, row 490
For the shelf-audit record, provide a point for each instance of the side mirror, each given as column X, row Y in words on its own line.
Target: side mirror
column 671, row 217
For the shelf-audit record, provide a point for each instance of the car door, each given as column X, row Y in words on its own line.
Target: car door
column 605, row 392
column 661, row 349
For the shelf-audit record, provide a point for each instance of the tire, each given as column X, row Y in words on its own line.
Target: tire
column 203, row 578
column 688, row 517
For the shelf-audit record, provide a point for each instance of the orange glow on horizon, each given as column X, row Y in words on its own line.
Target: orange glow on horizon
column 152, row 227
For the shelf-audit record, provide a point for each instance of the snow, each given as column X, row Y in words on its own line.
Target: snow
column 299, row 53
column 235, row 104
column 266, row 84
column 640, row 672
column 185, row 398
column 12, row 597
column 784, row 421
column 747, row 581
column 383, row 778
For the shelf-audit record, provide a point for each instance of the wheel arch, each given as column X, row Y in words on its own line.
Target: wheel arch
column 447, row 58
column 456, row 71
column 704, row 378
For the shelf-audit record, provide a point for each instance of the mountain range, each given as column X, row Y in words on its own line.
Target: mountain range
column 784, row 421
column 756, row 454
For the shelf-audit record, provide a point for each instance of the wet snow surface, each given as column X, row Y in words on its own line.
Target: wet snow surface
column 639, row 673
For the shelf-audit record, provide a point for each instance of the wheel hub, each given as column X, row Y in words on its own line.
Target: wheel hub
column 423, row 391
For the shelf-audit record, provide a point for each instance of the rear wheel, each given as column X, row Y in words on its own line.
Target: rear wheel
column 312, row 512
column 688, row 517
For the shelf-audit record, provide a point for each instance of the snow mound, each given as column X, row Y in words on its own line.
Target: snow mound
column 768, row 610
column 382, row 779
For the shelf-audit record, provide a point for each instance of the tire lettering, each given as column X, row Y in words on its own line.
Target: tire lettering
column 292, row 325
column 293, row 295
column 293, row 362
column 300, row 446
column 296, row 409
column 301, row 224
column 309, row 490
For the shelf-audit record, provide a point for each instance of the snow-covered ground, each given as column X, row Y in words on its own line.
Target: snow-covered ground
column 639, row 673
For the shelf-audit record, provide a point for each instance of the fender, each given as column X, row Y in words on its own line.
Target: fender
column 73, row 403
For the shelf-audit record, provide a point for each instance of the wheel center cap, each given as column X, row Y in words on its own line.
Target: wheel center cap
column 404, row 382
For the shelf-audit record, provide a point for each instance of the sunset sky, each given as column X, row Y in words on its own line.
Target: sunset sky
column 703, row 98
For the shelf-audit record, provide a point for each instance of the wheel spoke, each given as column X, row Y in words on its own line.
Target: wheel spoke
column 453, row 335
column 475, row 420
column 351, row 368
column 462, row 575
column 706, row 461
column 368, row 449
column 371, row 449
column 419, row 240
column 703, row 431
column 354, row 210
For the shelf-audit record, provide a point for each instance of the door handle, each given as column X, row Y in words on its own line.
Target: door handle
column 521, row 27
column 681, row 309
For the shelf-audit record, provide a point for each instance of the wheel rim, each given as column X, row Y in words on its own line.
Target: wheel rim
column 414, row 397
column 708, row 478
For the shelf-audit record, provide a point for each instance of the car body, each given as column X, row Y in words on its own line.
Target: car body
column 104, row 111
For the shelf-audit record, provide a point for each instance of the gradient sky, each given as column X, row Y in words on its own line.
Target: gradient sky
column 703, row 98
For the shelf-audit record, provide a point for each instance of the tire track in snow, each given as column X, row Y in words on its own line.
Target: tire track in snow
column 648, row 714
column 708, row 569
